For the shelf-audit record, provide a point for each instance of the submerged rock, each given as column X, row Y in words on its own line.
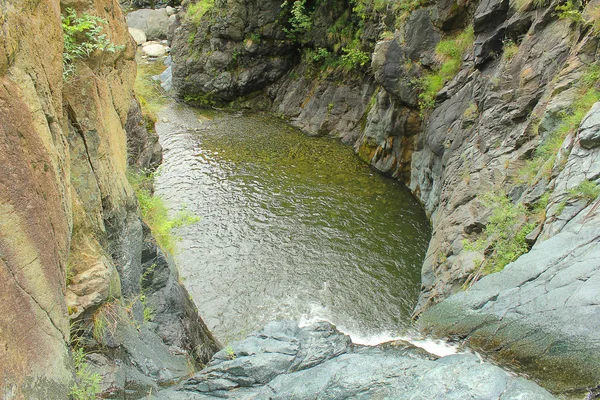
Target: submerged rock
column 283, row 361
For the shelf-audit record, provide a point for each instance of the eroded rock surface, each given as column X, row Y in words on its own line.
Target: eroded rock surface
column 71, row 237
column 283, row 361
column 518, row 80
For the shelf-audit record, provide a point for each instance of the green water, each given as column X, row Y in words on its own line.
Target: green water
column 292, row 227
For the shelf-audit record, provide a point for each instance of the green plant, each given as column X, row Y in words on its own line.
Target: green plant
column 155, row 213
column 300, row 20
column 586, row 190
column 149, row 93
column 503, row 239
column 570, row 10
column 148, row 313
column 545, row 154
column 196, row 11
column 510, row 50
column 354, row 58
column 450, row 53
column 230, row 353
column 87, row 383
column 82, row 36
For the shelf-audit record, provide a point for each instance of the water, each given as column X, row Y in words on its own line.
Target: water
column 292, row 227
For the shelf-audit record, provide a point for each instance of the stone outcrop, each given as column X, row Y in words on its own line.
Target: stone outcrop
column 236, row 49
column 154, row 23
column 516, row 83
column 72, row 245
column 283, row 361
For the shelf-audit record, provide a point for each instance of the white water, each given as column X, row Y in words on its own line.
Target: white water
column 436, row 347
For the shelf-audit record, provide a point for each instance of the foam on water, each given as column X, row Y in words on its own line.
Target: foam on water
column 436, row 347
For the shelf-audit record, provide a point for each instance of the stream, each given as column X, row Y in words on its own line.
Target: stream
column 292, row 227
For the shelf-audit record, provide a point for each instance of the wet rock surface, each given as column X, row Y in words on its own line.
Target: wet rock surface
column 545, row 307
column 516, row 84
column 283, row 361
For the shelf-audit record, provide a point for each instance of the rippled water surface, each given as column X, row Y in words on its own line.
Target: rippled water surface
column 292, row 227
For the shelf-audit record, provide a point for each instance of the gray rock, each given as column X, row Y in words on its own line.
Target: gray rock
column 393, row 69
column 589, row 131
column 543, row 310
column 155, row 50
column 138, row 35
column 285, row 362
column 155, row 23
column 143, row 150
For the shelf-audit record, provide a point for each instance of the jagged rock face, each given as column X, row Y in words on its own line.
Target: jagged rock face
column 285, row 362
column 486, row 123
column 35, row 205
column 543, row 307
column 238, row 48
column 71, row 237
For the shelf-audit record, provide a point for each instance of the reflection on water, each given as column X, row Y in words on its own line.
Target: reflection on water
column 292, row 227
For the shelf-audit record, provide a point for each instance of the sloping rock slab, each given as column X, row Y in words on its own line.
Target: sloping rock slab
column 542, row 311
column 286, row 362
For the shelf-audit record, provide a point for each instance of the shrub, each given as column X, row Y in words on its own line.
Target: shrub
column 354, row 58
column 299, row 19
column 82, row 36
column 570, row 10
column 87, row 383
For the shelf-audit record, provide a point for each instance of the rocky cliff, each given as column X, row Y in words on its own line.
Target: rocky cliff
column 74, row 253
column 479, row 108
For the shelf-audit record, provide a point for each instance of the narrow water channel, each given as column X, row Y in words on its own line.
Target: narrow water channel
column 292, row 227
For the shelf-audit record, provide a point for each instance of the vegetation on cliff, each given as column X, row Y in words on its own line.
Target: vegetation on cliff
column 82, row 37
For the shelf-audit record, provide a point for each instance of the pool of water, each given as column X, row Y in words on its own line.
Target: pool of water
column 292, row 227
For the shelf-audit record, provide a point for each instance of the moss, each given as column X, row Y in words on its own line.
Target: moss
column 196, row 11
column 149, row 93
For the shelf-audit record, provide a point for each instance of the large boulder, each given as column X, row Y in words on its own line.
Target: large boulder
column 138, row 35
column 154, row 23
column 283, row 361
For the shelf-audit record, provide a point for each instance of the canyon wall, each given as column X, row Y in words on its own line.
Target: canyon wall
column 497, row 150
column 73, row 248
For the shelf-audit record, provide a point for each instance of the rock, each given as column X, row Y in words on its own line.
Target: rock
column 283, row 362
column 393, row 70
column 542, row 311
column 155, row 23
column 155, row 50
column 170, row 10
column 223, row 63
column 165, row 79
column 589, row 130
column 138, row 35
column 143, row 150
